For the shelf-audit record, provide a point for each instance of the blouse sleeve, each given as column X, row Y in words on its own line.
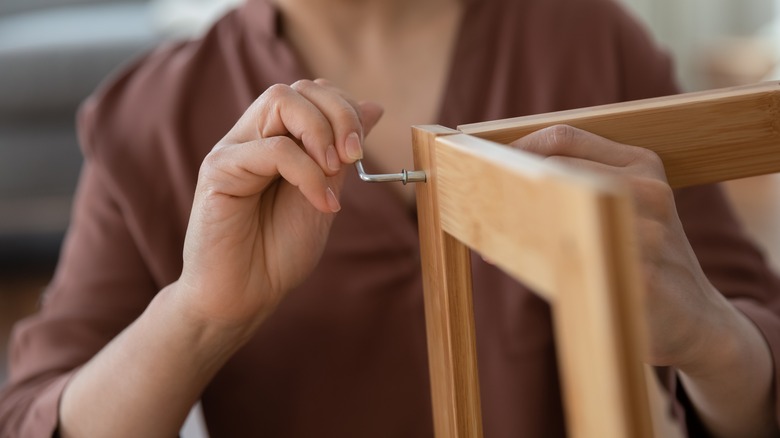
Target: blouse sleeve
column 132, row 206
column 100, row 286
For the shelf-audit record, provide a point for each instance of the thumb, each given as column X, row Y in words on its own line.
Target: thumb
column 370, row 113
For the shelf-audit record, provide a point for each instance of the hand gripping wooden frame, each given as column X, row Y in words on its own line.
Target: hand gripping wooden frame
column 538, row 221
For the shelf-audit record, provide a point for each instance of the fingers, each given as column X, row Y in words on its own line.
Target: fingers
column 343, row 117
column 305, row 133
column 567, row 141
column 369, row 112
column 284, row 111
column 638, row 169
column 246, row 169
column 326, row 123
column 351, row 120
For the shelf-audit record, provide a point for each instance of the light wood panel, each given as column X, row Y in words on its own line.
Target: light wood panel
column 567, row 234
column 449, row 315
column 517, row 210
column 701, row 137
column 483, row 204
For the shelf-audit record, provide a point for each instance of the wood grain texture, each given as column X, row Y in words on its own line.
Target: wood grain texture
column 701, row 137
column 508, row 219
column 449, row 313
column 567, row 234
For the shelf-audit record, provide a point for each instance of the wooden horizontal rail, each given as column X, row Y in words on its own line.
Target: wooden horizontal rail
column 562, row 232
column 481, row 204
column 701, row 137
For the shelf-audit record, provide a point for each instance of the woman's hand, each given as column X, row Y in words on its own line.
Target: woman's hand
column 265, row 199
column 722, row 359
column 264, row 202
column 681, row 304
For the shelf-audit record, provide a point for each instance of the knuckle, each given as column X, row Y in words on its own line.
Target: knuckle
column 277, row 91
column 347, row 115
column 302, row 85
column 662, row 192
column 563, row 134
column 657, row 196
column 323, row 82
column 210, row 163
column 276, row 145
column 653, row 234
column 649, row 157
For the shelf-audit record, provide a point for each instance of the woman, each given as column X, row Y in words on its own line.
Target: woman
column 287, row 319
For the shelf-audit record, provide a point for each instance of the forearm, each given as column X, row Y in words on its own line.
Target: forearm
column 146, row 380
column 731, row 386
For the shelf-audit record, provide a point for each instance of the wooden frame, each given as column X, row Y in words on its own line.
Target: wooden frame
column 471, row 201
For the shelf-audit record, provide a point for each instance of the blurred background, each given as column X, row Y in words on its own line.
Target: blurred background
column 53, row 53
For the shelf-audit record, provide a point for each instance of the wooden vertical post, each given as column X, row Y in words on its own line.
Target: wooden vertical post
column 599, row 331
column 568, row 234
column 449, row 315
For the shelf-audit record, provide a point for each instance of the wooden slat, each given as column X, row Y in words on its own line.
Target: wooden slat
column 598, row 323
column 701, row 137
column 449, row 313
column 567, row 233
column 502, row 202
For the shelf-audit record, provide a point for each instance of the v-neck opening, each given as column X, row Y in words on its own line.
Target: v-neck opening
column 443, row 112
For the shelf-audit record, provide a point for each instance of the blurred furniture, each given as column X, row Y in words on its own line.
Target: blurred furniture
column 53, row 53
column 574, row 246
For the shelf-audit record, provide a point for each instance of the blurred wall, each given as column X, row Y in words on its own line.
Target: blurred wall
column 693, row 29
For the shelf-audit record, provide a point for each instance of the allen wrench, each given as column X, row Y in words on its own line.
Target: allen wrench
column 406, row 176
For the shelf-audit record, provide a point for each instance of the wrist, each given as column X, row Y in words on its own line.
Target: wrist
column 723, row 343
column 730, row 383
column 166, row 358
column 207, row 336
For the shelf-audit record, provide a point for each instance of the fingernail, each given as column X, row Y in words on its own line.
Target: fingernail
column 332, row 158
column 333, row 202
column 354, row 151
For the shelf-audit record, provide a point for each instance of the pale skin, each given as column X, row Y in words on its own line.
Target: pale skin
column 263, row 206
column 267, row 193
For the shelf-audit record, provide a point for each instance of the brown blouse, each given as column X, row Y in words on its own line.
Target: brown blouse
column 344, row 355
